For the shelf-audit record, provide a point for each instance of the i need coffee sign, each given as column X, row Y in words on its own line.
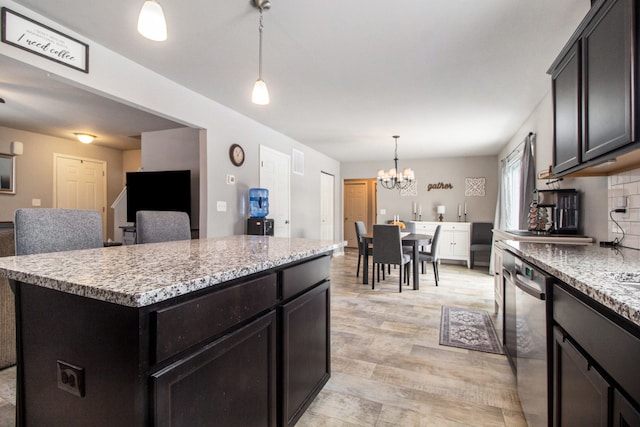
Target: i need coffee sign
column 32, row 36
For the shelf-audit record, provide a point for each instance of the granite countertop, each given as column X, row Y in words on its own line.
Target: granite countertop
column 610, row 276
column 141, row 275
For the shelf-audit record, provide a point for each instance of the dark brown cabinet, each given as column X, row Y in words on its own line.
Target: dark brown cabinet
column 593, row 82
column 231, row 381
column 567, row 129
column 624, row 414
column 596, row 381
column 306, row 351
column 581, row 395
column 254, row 351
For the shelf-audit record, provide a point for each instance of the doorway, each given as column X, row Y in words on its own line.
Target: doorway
column 327, row 190
column 360, row 204
column 80, row 183
column 275, row 176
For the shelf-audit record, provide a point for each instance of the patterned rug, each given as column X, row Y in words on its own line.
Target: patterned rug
column 470, row 329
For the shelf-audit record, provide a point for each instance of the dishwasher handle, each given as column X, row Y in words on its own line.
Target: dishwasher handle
column 530, row 287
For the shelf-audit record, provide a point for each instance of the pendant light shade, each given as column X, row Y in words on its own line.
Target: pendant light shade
column 151, row 22
column 260, row 93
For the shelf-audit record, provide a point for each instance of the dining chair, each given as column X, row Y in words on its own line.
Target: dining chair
column 162, row 226
column 432, row 254
column 387, row 243
column 42, row 230
column 481, row 238
column 361, row 230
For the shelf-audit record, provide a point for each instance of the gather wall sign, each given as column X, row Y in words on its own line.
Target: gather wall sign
column 440, row 186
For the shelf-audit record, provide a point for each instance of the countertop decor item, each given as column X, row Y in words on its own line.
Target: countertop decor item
column 393, row 179
column 440, row 210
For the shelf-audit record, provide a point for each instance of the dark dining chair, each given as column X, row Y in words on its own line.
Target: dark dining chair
column 432, row 254
column 42, row 230
column 162, row 226
column 361, row 230
column 387, row 244
column 481, row 238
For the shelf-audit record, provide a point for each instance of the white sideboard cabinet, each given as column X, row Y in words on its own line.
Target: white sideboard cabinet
column 455, row 239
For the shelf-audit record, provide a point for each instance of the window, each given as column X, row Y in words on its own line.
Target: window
column 511, row 190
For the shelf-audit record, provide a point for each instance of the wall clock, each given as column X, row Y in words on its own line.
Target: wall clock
column 236, row 154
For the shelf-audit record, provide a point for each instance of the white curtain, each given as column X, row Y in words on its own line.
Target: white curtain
column 515, row 188
column 527, row 179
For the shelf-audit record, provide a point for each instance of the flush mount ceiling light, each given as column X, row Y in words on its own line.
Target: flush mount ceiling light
column 260, row 94
column 85, row 138
column 393, row 179
column 151, row 22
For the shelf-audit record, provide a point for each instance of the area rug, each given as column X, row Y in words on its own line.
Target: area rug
column 469, row 329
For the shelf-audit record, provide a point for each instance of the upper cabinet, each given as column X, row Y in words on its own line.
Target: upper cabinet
column 593, row 83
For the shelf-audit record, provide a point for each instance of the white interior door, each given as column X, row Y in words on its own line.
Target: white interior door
column 275, row 176
column 327, row 188
column 80, row 184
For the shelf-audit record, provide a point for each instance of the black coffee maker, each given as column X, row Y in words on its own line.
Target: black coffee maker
column 565, row 209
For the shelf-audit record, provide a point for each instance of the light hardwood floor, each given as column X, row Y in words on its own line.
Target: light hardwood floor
column 387, row 366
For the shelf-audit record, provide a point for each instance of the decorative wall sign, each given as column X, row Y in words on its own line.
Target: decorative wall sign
column 474, row 187
column 32, row 36
column 411, row 190
column 440, row 186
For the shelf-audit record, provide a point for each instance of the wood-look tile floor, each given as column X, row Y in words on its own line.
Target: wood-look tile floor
column 387, row 366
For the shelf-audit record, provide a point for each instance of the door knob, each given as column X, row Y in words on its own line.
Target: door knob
column 286, row 221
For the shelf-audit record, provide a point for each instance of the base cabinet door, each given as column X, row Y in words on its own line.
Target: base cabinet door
column 230, row 382
column 624, row 414
column 306, row 351
column 581, row 395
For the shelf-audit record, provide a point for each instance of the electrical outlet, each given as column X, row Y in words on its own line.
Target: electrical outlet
column 70, row 378
column 621, row 202
column 221, row 206
column 383, row 211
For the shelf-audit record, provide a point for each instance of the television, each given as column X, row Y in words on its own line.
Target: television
column 158, row 191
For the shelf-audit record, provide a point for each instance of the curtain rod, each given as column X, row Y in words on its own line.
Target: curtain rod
column 517, row 148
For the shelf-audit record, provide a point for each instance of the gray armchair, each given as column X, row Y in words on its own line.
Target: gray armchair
column 432, row 254
column 387, row 249
column 41, row 230
column 162, row 226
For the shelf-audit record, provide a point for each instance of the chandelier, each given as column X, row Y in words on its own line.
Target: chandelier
column 393, row 179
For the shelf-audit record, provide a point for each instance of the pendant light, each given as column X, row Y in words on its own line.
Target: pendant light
column 151, row 22
column 260, row 94
column 394, row 179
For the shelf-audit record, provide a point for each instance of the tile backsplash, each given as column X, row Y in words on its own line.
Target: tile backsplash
column 625, row 185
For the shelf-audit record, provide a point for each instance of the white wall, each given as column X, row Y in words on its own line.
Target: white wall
column 175, row 149
column 594, row 197
column 119, row 78
column 433, row 171
column 34, row 170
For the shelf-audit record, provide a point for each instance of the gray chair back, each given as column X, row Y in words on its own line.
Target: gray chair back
column 41, row 230
column 435, row 243
column 360, row 231
column 387, row 244
column 481, row 233
column 162, row 226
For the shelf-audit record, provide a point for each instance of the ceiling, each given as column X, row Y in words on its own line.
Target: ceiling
column 451, row 77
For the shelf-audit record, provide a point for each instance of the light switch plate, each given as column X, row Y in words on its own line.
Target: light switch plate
column 383, row 211
column 35, row 202
column 221, row 206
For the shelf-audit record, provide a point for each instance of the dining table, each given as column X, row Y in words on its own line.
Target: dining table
column 414, row 240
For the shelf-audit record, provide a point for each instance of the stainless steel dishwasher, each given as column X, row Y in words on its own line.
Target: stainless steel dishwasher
column 533, row 337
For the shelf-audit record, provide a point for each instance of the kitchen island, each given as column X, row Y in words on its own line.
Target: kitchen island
column 231, row 331
column 593, row 331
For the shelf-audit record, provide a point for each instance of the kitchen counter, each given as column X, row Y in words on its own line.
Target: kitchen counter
column 522, row 235
column 609, row 276
column 141, row 275
column 231, row 331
